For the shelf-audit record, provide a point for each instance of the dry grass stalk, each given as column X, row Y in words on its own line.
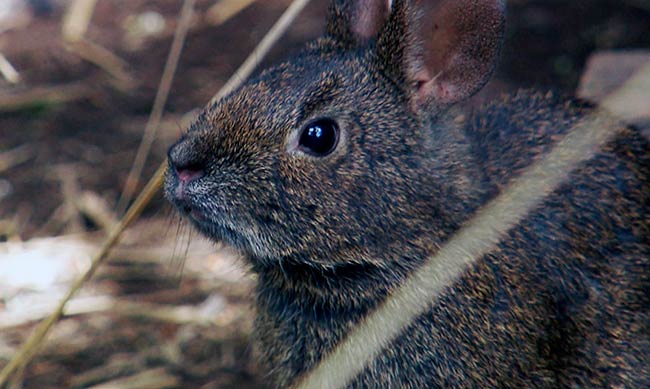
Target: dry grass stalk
column 75, row 24
column 262, row 49
column 45, row 95
column 174, row 314
column 67, row 175
column 77, row 19
column 114, row 368
column 8, row 71
column 104, row 59
column 152, row 378
column 33, row 343
column 54, row 223
column 96, row 208
column 158, row 106
column 30, row 347
column 9, row 229
column 225, row 10
column 77, row 306
column 16, row 156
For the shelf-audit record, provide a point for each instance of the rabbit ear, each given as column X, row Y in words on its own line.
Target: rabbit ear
column 446, row 49
column 354, row 22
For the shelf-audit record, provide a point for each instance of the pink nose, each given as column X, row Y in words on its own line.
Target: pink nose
column 186, row 175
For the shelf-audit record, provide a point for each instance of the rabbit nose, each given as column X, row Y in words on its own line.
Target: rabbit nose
column 188, row 174
column 186, row 161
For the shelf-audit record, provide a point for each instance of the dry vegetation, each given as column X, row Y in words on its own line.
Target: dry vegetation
column 76, row 92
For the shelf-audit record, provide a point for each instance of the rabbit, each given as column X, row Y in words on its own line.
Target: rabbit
column 340, row 171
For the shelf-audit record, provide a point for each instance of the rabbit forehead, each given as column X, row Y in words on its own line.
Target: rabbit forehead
column 281, row 98
column 260, row 119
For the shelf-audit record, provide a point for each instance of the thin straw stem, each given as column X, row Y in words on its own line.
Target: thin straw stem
column 158, row 106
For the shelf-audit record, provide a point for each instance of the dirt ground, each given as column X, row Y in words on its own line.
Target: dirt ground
column 70, row 127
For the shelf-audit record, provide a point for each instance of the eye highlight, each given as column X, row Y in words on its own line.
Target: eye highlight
column 320, row 137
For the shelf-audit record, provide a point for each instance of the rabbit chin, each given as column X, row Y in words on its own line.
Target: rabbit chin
column 245, row 239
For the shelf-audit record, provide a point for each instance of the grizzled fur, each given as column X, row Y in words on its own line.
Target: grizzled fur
column 563, row 300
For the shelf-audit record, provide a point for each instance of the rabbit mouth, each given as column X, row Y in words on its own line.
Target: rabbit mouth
column 209, row 227
column 195, row 214
column 238, row 238
column 187, row 208
column 224, row 230
column 200, row 219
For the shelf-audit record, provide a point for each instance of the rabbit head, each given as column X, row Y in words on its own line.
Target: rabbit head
column 345, row 148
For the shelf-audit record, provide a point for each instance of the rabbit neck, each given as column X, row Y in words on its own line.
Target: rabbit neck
column 306, row 310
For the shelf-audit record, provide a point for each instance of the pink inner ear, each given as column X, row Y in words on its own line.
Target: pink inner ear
column 428, row 86
column 368, row 18
column 459, row 42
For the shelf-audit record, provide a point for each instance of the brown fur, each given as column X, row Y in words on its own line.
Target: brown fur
column 563, row 300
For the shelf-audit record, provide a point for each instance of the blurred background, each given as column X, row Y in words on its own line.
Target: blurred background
column 170, row 309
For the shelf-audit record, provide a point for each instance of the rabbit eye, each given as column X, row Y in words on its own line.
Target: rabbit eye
column 319, row 137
